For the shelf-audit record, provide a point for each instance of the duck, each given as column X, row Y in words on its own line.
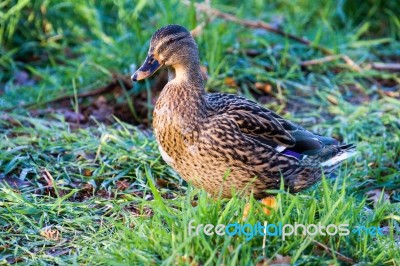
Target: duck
column 226, row 143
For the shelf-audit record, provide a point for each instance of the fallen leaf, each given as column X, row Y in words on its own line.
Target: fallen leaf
column 50, row 234
column 86, row 191
column 101, row 110
column 389, row 92
column 185, row 260
column 270, row 204
column 375, row 196
column 163, row 183
column 332, row 99
column 229, row 81
column 49, row 178
column 71, row 116
column 88, row 188
column 122, row 185
column 87, row 172
column 265, row 87
column 100, row 102
column 279, row 260
column 104, row 194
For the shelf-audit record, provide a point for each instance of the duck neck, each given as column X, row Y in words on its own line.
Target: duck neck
column 187, row 73
column 184, row 93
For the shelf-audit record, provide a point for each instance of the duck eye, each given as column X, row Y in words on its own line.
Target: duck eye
column 151, row 61
column 171, row 40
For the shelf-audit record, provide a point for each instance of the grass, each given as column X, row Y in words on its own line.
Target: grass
column 98, row 192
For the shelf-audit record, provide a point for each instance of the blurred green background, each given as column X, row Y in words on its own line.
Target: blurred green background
column 57, row 41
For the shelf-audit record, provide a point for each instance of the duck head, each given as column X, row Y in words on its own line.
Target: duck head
column 173, row 46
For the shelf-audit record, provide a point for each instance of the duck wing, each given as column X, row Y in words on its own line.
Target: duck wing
column 268, row 127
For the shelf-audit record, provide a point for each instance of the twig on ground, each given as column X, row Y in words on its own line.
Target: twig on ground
column 49, row 178
column 109, row 87
column 351, row 63
column 331, row 251
column 258, row 25
column 330, row 58
column 386, row 66
column 322, row 60
column 198, row 30
column 203, row 7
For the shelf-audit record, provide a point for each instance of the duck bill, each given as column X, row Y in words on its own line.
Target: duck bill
column 149, row 67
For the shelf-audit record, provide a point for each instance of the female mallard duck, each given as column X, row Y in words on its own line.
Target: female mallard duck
column 224, row 142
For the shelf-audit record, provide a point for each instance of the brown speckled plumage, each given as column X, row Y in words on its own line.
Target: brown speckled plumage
column 222, row 142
